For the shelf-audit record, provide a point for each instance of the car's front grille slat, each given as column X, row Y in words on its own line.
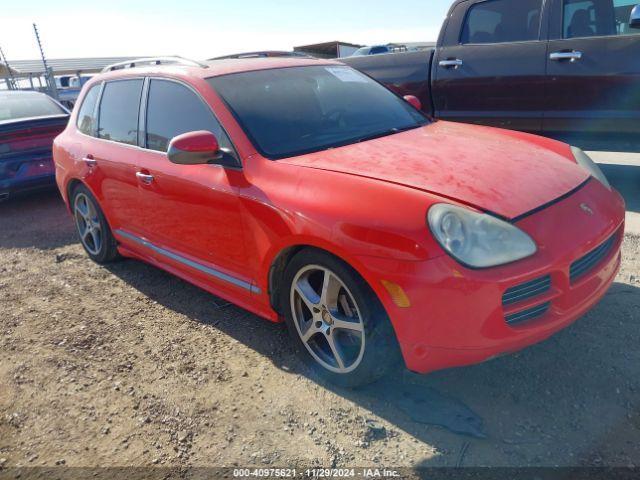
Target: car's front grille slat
column 527, row 290
column 528, row 314
column 586, row 263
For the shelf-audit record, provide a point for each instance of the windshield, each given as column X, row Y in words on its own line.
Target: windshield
column 291, row 111
column 15, row 106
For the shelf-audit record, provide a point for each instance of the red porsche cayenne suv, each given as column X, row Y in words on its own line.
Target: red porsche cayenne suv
column 304, row 191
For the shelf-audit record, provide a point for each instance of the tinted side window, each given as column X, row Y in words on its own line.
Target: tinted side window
column 377, row 50
column 119, row 111
column 174, row 109
column 501, row 21
column 596, row 18
column 86, row 121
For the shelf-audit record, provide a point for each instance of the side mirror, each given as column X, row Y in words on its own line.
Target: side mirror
column 634, row 20
column 413, row 101
column 194, row 148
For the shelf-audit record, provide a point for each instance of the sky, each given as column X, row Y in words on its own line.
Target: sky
column 202, row 29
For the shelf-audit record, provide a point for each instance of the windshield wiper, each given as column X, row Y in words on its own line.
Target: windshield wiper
column 386, row 133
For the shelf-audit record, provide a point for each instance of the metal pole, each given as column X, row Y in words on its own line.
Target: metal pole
column 11, row 84
column 51, row 82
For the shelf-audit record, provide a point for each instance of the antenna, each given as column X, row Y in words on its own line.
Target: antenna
column 48, row 73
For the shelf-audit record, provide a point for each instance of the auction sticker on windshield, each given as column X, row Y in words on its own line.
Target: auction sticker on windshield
column 346, row 74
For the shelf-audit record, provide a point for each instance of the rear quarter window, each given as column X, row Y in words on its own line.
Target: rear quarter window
column 86, row 121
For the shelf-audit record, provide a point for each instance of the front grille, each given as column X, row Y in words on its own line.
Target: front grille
column 527, row 290
column 528, row 314
column 590, row 260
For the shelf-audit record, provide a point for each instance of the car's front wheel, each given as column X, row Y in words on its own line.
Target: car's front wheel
column 93, row 229
column 336, row 321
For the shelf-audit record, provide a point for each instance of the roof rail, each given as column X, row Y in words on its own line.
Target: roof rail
column 263, row 54
column 154, row 61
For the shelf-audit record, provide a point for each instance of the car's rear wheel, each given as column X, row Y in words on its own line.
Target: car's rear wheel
column 93, row 229
column 336, row 321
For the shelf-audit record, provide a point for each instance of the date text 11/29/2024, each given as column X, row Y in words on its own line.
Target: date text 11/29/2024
column 316, row 473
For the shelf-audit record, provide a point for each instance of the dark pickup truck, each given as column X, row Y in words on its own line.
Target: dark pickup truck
column 566, row 69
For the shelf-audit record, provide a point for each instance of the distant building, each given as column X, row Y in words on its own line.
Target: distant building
column 328, row 49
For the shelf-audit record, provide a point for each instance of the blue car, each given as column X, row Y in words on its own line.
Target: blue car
column 29, row 121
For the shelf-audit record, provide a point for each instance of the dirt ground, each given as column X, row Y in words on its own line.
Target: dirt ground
column 128, row 365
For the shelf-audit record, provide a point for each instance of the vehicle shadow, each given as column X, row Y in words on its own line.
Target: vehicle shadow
column 36, row 219
column 625, row 179
column 559, row 392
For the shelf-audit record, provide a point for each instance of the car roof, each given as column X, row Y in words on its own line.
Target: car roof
column 215, row 68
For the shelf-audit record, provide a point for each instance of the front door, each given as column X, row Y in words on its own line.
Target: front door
column 490, row 69
column 593, row 70
column 193, row 217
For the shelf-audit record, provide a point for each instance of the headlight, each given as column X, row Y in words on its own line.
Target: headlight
column 478, row 240
column 590, row 166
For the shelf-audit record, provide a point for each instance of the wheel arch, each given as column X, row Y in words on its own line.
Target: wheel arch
column 72, row 184
column 282, row 258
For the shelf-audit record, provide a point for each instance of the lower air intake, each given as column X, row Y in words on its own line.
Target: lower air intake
column 528, row 314
column 585, row 264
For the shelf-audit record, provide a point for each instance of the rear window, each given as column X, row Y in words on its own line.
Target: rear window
column 118, row 119
column 502, row 21
column 13, row 107
column 86, row 116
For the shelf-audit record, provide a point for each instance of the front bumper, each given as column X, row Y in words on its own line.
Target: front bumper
column 457, row 316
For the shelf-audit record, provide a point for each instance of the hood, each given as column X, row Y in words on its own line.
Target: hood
column 500, row 171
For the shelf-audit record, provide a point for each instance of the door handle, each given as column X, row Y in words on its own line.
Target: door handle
column 572, row 56
column 144, row 177
column 455, row 63
column 90, row 161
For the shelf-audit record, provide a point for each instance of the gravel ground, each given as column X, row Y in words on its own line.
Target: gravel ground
column 128, row 365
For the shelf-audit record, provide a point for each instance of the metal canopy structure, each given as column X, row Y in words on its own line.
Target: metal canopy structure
column 60, row 66
column 326, row 49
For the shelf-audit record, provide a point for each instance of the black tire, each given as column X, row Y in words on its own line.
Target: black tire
column 107, row 248
column 381, row 350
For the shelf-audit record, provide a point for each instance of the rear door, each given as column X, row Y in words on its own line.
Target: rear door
column 110, row 155
column 593, row 70
column 193, row 217
column 490, row 68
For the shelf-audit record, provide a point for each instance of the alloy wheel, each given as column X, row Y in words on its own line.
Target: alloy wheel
column 327, row 319
column 88, row 223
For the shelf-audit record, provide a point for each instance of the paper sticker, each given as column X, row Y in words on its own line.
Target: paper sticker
column 346, row 74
